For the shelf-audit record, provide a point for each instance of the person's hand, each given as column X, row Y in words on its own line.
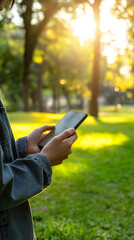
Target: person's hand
column 35, row 137
column 59, row 147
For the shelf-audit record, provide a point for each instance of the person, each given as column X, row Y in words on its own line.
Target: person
column 25, row 170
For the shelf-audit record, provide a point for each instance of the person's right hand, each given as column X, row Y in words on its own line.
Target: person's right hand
column 59, row 147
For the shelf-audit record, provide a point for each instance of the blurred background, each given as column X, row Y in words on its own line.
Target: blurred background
column 60, row 54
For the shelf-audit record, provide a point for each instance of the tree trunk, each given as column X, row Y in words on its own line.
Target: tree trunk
column 32, row 33
column 25, row 90
column 81, row 101
column 95, row 76
column 65, row 91
column 40, row 86
column 58, row 103
column 30, row 44
column 54, row 100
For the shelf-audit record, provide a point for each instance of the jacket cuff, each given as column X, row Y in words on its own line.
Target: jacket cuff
column 21, row 144
column 46, row 165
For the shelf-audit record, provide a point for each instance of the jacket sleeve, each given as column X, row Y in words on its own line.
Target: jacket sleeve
column 22, row 178
column 22, row 152
column 21, row 147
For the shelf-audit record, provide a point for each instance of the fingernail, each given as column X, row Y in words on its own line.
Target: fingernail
column 72, row 130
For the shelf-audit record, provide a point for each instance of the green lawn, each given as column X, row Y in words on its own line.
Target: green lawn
column 92, row 193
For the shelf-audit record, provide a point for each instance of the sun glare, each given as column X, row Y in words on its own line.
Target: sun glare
column 114, row 30
column 125, row 70
column 84, row 25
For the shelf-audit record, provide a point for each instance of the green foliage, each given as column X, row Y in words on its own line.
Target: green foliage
column 92, row 193
column 63, row 56
column 11, row 66
column 125, row 11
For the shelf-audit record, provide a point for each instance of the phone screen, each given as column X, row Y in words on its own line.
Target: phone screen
column 71, row 120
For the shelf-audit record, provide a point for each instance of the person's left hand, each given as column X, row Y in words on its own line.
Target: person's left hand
column 35, row 137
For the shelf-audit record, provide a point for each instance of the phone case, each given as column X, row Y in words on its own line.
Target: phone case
column 71, row 120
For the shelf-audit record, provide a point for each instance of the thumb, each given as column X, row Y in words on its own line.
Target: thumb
column 67, row 133
column 45, row 128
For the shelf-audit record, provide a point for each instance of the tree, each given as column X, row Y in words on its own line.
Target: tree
column 32, row 33
column 11, row 65
column 62, row 61
column 35, row 20
column 126, row 12
column 96, row 67
column 93, row 107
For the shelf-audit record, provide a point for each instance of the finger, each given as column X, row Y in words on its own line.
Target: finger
column 59, row 162
column 42, row 136
column 38, row 150
column 73, row 138
column 67, row 133
column 70, row 152
column 45, row 128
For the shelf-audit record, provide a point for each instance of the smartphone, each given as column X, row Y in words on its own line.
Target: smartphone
column 72, row 119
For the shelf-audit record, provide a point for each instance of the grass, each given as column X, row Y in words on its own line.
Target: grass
column 92, row 193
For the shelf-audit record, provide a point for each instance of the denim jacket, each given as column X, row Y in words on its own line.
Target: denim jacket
column 21, row 177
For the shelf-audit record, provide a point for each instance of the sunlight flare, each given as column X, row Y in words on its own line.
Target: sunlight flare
column 84, row 26
column 114, row 30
